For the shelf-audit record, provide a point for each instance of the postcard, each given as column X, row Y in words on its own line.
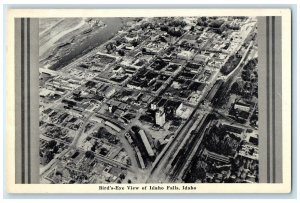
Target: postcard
column 149, row 101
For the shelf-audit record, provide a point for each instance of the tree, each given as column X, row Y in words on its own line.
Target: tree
column 175, row 33
column 135, row 43
column 177, row 23
column 203, row 18
column 147, row 25
column 164, row 28
column 49, row 156
column 121, row 52
column 103, row 151
column 246, row 75
column 201, row 173
column 52, row 144
column 144, row 50
column 235, row 88
column 122, row 176
column 162, row 39
column 247, row 87
column 202, row 22
column 118, row 42
column 216, row 23
column 110, row 47
column 89, row 154
column 55, row 149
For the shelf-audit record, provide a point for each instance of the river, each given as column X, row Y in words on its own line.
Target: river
column 83, row 43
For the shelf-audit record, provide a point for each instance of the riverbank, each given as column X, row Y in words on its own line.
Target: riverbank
column 79, row 41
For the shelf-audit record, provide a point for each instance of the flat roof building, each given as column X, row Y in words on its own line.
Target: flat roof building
column 146, row 143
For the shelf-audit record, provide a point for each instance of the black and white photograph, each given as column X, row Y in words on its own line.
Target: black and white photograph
column 150, row 101
column 158, row 100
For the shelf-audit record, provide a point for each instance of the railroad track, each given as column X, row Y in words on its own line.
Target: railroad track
column 185, row 152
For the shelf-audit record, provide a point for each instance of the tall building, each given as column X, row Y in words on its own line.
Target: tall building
column 160, row 117
column 153, row 106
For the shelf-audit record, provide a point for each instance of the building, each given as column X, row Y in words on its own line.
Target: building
column 241, row 106
column 252, row 138
column 216, row 157
column 141, row 161
column 146, row 143
column 154, row 48
column 202, row 59
column 186, row 55
column 237, row 131
column 183, row 111
column 131, row 37
column 110, row 109
column 113, row 126
column 46, row 92
column 109, row 92
column 153, row 106
column 118, row 69
column 249, row 151
column 160, row 117
column 134, row 86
